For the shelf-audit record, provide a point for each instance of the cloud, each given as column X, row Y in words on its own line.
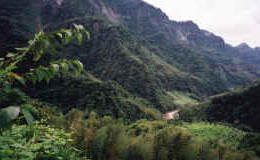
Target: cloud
column 236, row 21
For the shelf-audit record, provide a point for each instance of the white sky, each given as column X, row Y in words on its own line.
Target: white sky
column 236, row 21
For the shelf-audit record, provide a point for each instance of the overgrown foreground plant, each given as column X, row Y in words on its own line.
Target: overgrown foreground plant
column 109, row 139
column 14, row 66
column 25, row 65
column 38, row 142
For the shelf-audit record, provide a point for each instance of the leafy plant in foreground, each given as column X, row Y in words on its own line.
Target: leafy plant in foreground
column 37, row 142
column 39, row 46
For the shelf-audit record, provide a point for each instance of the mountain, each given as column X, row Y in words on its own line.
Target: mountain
column 239, row 107
column 137, row 64
column 243, row 47
column 136, row 45
column 248, row 54
column 87, row 93
column 150, row 23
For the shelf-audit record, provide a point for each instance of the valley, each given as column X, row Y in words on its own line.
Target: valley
column 119, row 80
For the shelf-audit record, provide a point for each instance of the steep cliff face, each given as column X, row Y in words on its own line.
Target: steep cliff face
column 143, row 19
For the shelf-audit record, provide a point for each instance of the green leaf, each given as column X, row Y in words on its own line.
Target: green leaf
column 68, row 35
column 5, row 120
column 28, row 155
column 55, row 67
column 33, row 78
column 37, row 56
column 78, row 27
column 40, row 74
column 9, row 55
column 64, row 67
column 79, row 38
column 28, row 116
column 87, row 34
column 60, row 35
column 22, row 49
column 67, row 32
column 46, row 43
column 30, row 108
column 7, row 140
column 38, row 46
column 79, row 65
column 31, row 42
column 48, row 76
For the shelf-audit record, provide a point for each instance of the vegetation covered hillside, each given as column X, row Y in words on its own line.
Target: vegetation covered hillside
column 239, row 107
column 151, row 24
column 141, row 52
column 133, row 63
column 90, row 94
column 70, row 94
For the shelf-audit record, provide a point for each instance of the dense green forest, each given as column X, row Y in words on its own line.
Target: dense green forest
column 92, row 80
column 31, row 129
column 238, row 107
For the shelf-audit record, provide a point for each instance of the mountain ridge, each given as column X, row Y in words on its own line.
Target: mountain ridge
column 158, row 56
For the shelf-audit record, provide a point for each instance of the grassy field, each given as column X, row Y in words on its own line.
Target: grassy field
column 181, row 98
column 215, row 132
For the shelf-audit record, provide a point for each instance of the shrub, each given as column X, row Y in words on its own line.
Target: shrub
column 37, row 142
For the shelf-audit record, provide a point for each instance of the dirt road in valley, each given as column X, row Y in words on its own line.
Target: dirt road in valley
column 171, row 115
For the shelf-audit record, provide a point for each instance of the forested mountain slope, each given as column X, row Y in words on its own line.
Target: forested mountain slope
column 89, row 94
column 68, row 96
column 135, row 45
column 240, row 107
column 150, row 23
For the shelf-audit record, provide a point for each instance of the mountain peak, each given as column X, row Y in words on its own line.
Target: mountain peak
column 189, row 24
column 244, row 46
